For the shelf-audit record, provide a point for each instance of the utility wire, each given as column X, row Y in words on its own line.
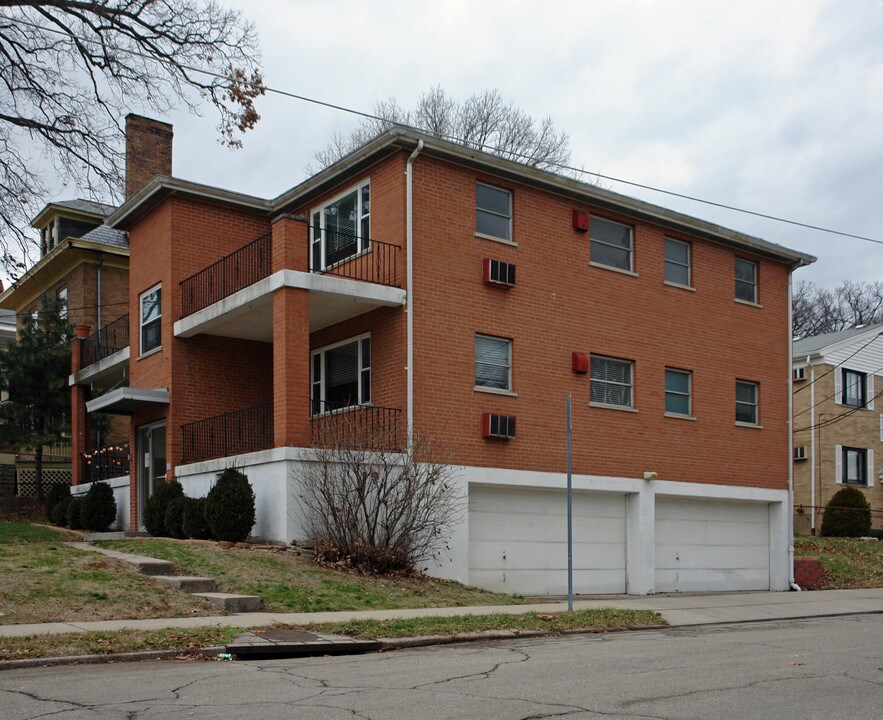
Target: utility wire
column 461, row 141
column 837, row 418
column 828, row 372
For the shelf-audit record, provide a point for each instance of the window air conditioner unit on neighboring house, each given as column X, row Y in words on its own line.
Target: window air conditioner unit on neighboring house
column 498, row 426
column 800, row 453
column 799, row 373
column 497, row 272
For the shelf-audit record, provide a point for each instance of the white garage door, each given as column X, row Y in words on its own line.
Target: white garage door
column 709, row 545
column 518, row 541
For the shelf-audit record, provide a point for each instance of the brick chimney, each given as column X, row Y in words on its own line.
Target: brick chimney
column 148, row 151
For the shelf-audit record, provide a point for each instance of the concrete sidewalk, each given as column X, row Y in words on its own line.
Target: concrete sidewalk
column 678, row 610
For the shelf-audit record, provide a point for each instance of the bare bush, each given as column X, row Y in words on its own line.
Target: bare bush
column 372, row 504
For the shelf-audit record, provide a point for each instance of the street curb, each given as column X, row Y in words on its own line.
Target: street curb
column 387, row 644
column 206, row 652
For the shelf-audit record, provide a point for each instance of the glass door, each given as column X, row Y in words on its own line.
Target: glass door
column 151, row 463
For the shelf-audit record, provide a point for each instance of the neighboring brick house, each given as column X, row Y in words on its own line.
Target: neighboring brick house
column 384, row 288
column 838, row 421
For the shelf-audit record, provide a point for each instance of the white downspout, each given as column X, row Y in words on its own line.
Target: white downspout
column 793, row 585
column 409, row 232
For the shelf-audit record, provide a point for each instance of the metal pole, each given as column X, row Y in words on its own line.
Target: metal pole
column 569, row 510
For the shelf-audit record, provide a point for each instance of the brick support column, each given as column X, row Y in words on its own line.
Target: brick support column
column 291, row 367
column 291, row 338
column 80, row 430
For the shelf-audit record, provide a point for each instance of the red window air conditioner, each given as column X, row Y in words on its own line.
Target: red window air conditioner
column 498, row 426
column 579, row 362
column 497, row 272
column 580, row 221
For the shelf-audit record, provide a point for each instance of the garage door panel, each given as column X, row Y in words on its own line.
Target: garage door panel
column 707, row 545
column 518, row 541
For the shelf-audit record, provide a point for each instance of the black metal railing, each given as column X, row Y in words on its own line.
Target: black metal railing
column 238, row 270
column 361, row 427
column 378, row 263
column 104, row 463
column 112, row 338
column 227, row 434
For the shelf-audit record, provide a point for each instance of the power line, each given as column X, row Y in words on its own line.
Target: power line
column 837, row 418
column 479, row 146
column 828, row 372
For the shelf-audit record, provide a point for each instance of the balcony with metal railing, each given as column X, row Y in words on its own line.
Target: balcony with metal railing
column 361, row 427
column 105, row 353
column 105, row 463
column 233, row 296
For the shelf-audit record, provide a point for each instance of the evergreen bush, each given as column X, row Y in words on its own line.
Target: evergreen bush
column 174, row 520
column 229, row 507
column 56, row 510
column 848, row 514
column 156, row 506
column 99, row 507
column 75, row 513
column 195, row 525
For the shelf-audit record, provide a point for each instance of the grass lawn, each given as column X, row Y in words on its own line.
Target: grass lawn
column 849, row 563
column 288, row 583
column 44, row 580
column 124, row 641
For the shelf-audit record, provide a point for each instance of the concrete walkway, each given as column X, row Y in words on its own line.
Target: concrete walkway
column 678, row 610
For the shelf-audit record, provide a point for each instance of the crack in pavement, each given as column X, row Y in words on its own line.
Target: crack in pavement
column 484, row 675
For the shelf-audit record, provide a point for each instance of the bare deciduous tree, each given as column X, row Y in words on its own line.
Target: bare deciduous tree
column 818, row 310
column 484, row 122
column 369, row 503
column 70, row 70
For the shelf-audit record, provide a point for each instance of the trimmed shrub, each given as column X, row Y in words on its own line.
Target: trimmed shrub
column 229, row 507
column 175, row 517
column 54, row 496
column 75, row 513
column 847, row 515
column 195, row 525
column 99, row 507
column 156, row 506
column 57, row 513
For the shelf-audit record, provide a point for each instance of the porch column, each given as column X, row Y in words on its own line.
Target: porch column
column 291, row 338
column 80, row 431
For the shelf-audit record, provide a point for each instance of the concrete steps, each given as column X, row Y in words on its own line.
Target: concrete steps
column 163, row 571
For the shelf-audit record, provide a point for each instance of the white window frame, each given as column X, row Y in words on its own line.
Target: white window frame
column 479, row 210
column 142, row 324
column 689, row 393
column 867, row 456
column 593, row 241
column 508, row 366
column 318, row 386
column 753, row 283
column 688, row 265
column 319, row 234
column 755, row 404
column 62, row 296
column 630, row 384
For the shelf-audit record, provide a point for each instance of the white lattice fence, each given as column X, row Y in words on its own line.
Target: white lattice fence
column 26, row 480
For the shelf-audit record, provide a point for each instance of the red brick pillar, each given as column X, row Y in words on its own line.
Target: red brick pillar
column 80, row 430
column 291, row 338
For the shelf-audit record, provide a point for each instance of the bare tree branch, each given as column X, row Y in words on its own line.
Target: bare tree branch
column 71, row 70
column 851, row 304
column 483, row 122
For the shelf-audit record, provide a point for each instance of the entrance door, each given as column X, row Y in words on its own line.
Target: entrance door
column 151, row 463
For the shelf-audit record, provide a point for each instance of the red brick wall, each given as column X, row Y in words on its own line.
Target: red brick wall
column 562, row 304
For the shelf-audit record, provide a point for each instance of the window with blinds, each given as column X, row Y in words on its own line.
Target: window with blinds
column 493, row 362
column 610, row 381
column 746, row 402
column 341, row 376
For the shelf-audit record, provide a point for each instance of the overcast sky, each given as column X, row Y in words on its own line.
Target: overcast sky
column 770, row 105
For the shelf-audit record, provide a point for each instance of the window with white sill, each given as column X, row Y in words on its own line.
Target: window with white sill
column 340, row 229
column 341, row 375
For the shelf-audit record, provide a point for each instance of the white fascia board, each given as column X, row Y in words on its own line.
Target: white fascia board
column 140, row 395
column 242, row 300
column 96, row 370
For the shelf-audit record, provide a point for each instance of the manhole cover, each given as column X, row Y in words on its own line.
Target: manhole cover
column 288, row 636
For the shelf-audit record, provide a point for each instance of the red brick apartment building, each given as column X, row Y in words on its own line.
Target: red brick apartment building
column 420, row 286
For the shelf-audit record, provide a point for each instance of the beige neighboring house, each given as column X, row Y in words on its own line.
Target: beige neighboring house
column 838, row 421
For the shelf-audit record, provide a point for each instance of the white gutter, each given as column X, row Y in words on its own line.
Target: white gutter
column 409, row 231
column 793, row 585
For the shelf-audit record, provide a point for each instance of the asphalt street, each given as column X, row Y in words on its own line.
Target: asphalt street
column 821, row 668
